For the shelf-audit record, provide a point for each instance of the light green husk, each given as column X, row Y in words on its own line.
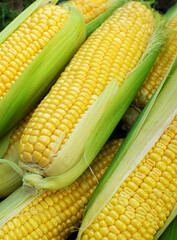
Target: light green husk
column 147, row 130
column 10, row 180
column 90, row 143
column 40, row 75
column 10, row 174
column 4, row 142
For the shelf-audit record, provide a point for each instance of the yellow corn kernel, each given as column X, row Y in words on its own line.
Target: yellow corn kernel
column 23, row 45
column 152, row 211
column 100, row 59
column 91, row 9
column 56, row 214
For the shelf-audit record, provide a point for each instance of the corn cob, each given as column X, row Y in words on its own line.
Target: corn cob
column 37, row 45
column 54, row 215
column 92, row 9
column 142, row 203
column 160, row 67
column 142, row 189
column 55, row 127
column 9, row 179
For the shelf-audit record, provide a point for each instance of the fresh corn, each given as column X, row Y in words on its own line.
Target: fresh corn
column 54, row 215
column 160, row 67
column 142, row 203
column 92, row 8
column 75, row 105
column 33, row 55
column 10, row 180
column 139, row 191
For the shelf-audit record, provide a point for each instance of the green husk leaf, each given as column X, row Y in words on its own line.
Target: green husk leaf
column 10, row 173
column 91, row 26
column 10, row 164
column 171, row 230
column 40, row 75
column 4, row 142
column 135, row 147
column 92, row 142
column 22, row 17
column 13, row 204
column 171, row 12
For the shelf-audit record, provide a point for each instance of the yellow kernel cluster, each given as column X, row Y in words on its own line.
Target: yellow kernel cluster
column 20, row 49
column 54, row 215
column 145, row 199
column 160, row 68
column 91, row 9
column 114, row 49
column 17, row 134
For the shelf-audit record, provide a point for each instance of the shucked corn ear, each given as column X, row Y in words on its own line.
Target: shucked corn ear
column 92, row 8
column 161, row 65
column 54, row 215
column 139, row 189
column 10, row 180
column 70, row 122
column 170, row 231
column 33, row 53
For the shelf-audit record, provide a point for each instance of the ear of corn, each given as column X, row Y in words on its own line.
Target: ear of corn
column 10, row 174
column 139, row 191
column 10, row 179
column 35, row 77
column 59, row 211
column 93, row 117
